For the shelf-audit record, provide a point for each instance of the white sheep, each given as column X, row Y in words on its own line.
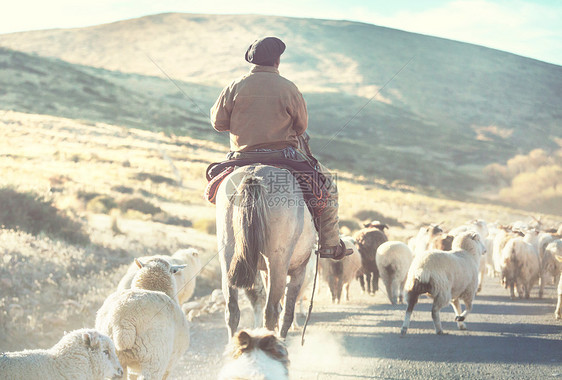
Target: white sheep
column 340, row 273
column 480, row 226
column 558, row 311
column 477, row 225
column 393, row 260
column 548, row 263
column 520, row 267
column 503, row 235
column 255, row 355
column 146, row 323
column 80, row 355
column 448, row 277
column 420, row 243
column 185, row 279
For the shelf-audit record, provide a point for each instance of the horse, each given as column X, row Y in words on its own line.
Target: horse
column 263, row 223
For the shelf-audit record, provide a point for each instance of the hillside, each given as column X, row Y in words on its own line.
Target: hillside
column 453, row 110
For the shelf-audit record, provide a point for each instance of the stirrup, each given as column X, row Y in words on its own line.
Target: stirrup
column 335, row 253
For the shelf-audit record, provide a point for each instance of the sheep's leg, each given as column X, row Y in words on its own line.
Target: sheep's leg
column 459, row 318
column 389, row 290
column 439, row 302
column 512, row 291
column 293, row 289
column 558, row 311
column 361, row 280
column 480, row 280
column 412, row 301
column 339, row 287
column 332, row 284
column 346, row 288
column 520, row 289
column 375, row 281
column 401, row 294
column 542, row 280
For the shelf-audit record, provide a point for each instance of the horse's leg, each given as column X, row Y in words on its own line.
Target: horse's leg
column 293, row 289
column 368, row 281
column 232, row 311
column 256, row 297
column 277, row 280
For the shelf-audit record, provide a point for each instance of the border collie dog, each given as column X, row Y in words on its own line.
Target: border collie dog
column 257, row 355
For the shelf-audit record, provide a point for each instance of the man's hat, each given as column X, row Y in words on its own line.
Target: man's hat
column 265, row 51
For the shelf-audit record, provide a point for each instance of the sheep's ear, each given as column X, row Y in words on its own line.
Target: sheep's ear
column 176, row 268
column 244, row 340
column 139, row 263
column 91, row 339
column 366, row 225
column 475, row 236
column 383, row 226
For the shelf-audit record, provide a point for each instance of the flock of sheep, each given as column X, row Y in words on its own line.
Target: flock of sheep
column 450, row 266
column 141, row 330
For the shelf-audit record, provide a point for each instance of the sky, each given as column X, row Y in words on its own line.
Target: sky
column 531, row 28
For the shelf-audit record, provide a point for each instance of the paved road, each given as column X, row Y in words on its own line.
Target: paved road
column 360, row 340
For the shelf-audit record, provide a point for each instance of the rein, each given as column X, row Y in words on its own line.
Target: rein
column 312, row 295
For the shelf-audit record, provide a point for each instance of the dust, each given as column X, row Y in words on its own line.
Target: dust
column 321, row 353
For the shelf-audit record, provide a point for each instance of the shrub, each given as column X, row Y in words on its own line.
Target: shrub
column 208, row 226
column 370, row 215
column 31, row 213
column 140, row 205
column 353, row 225
column 123, row 189
column 155, row 178
column 102, row 204
column 172, row 220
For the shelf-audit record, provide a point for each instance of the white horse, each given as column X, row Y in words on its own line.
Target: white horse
column 263, row 224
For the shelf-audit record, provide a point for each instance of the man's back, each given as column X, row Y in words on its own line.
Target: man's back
column 261, row 110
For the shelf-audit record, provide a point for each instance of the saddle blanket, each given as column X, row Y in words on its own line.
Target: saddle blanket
column 313, row 184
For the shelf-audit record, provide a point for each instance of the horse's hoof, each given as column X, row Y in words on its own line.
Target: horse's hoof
column 403, row 332
column 462, row 327
column 441, row 332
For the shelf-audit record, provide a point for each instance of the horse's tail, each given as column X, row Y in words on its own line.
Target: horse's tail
column 250, row 232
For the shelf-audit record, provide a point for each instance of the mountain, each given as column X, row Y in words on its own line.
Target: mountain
column 434, row 122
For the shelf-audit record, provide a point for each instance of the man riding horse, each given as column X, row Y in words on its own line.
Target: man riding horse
column 266, row 114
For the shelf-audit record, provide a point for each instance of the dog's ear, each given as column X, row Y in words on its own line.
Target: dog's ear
column 274, row 347
column 244, row 340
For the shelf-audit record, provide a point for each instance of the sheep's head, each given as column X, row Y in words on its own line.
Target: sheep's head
column 470, row 241
column 103, row 350
column 433, row 229
column 99, row 348
column 156, row 274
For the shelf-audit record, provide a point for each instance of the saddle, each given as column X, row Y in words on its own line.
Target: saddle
column 313, row 184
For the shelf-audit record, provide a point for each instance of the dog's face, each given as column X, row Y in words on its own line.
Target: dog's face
column 265, row 340
column 250, row 352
